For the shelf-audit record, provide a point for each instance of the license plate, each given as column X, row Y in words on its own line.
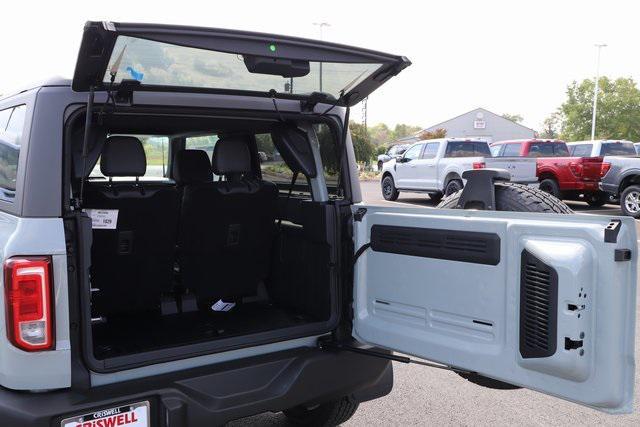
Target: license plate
column 134, row 415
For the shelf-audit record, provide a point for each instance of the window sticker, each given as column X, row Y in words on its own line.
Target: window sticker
column 105, row 219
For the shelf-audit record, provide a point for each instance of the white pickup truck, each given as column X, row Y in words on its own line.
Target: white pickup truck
column 435, row 167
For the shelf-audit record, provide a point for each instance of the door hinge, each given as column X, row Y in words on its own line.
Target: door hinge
column 611, row 231
column 328, row 345
column 622, row 255
column 359, row 214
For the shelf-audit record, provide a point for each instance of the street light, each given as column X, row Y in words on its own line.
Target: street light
column 320, row 26
column 595, row 92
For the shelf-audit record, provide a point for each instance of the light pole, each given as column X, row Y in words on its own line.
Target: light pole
column 595, row 92
column 321, row 25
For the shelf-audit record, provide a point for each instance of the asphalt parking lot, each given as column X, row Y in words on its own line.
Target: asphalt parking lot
column 425, row 396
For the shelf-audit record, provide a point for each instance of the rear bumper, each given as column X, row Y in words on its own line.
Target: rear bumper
column 215, row 395
column 587, row 186
column 609, row 188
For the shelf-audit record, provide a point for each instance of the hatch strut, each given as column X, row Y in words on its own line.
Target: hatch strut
column 336, row 346
column 85, row 145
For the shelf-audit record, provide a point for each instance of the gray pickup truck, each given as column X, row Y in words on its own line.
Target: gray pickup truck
column 621, row 170
column 159, row 271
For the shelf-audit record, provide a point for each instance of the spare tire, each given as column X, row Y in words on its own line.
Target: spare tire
column 516, row 198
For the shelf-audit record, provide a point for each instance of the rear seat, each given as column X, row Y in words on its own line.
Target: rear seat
column 227, row 227
column 132, row 265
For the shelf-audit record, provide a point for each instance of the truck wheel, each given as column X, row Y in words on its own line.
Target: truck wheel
column 325, row 415
column 518, row 198
column 596, row 199
column 630, row 201
column 436, row 197
column 453, row 186
column 549, row 185
column 389, row 190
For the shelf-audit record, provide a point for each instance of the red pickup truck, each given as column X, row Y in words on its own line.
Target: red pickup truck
column 574, row 178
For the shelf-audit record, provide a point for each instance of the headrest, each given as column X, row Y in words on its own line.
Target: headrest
column 192, row 166
column 231, row 155
column 123, row 156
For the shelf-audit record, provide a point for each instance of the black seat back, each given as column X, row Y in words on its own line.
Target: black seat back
column 132, row 264
column 227, row 227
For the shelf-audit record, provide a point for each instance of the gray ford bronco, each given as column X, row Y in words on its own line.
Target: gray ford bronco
column 184, row 243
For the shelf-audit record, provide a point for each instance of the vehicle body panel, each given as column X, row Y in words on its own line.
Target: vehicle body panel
column 21, row 370
column 427, row 306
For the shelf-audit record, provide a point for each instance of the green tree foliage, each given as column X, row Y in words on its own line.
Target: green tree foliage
column 401, row 130
column 550, row 127
column 361, row 142
column 618, row 115
column 381, row 134
column 516, row 118
column 434, row 134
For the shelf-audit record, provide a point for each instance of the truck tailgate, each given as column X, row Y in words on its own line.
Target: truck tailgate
column 522, row 169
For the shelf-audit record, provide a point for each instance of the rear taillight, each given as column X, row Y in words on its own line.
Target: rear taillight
column 576, row 169
column 479, row 165
column 28, row 290
column 604, row 168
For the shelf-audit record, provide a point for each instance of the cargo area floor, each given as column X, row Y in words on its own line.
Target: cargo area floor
column 136, row 333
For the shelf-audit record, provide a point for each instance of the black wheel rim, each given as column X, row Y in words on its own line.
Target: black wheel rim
column 387, row 188
column 453, row 187
column 546, row 188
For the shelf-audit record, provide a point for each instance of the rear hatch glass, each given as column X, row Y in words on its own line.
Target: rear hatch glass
column 175, row 58
column 618, row 149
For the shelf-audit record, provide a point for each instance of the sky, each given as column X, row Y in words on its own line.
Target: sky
column 512, row 57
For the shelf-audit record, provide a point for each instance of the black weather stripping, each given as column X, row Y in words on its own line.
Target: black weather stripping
column 466, row 246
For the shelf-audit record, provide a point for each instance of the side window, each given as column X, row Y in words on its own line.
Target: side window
column 11, row 128
column 4, row 118
column 413, row 152
column 511, row 150
column 156, row 150
column 495, row 150
column 560, row 150
column 430, row 150
column 274, row 168
column 581, row 150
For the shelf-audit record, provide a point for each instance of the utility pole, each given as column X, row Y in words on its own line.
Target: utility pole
column 320, row 26
column 595, row 92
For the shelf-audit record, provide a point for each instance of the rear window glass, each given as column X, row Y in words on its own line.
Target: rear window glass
column 156, row 149
column 547, row 149
column 156, row 63
column 511, row 150
column 11, row 129
column 581, row 150
column 467, row 149
column 274, row 169
column 617, row 149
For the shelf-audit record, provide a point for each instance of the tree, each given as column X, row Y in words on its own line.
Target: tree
column 438, row 133
column 361, row 142
column 516, row 118
column 401, row 130
column 381, row 134
column 550, row 126
column 618, row 115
